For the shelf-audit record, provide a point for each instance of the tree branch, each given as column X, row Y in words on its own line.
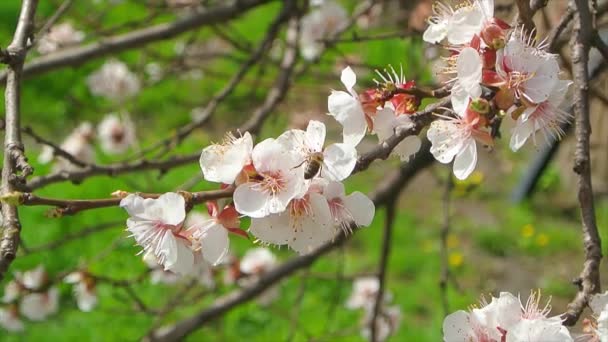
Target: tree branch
column 15, row 167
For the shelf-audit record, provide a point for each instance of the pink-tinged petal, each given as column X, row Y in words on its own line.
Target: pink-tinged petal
column 466, row 160
column 435, row 32
column 315, row 135
column 457, row 327
column 274, row 229
column 521, row 132
column 339, row 161
column 248, row 200
column 408, row 147
column 361, row 208
column 348, row 78
column 334, row 190
column 445, row 139
column 214, row 243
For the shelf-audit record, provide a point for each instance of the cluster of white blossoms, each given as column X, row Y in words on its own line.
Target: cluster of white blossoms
column 506, row 319
column 59, row 36
column 115, row 133
column 364, row 296
column 30, row 295
column 114, row 81
column 520, row 79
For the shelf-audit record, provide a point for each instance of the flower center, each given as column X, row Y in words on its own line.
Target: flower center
column 341, row 215
column 271, row 182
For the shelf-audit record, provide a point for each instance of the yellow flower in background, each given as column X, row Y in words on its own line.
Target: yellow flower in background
column 527, row 231
column 476, row 177
column 455, row 259
column 542, row 240
column 452, row 241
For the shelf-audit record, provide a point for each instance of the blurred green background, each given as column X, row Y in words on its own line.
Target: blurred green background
column 493, row 245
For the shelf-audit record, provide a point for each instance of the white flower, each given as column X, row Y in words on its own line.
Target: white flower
column 156, row 225
column 78, row 144
column 505, row 319
column 467, row 85
column 114, row 80
column 116, row 133
column 223, row 162
column 211, row 233
column 13, row 289
column 322, row 22
column 275, row 183
column 38, row 306
column 34, row 279
column 454, row 139
column 304, row 226
column 347, row 110
column 387, row 322
column 9, row 319
column 338, row 159
column 346, row 211
column 458, row 25
column 364, row 293
column 538, row 330
column 385, row 122
column 59, row 36
column 84, row 290
column 527, row 71
column 258, row 261
column 546, row 117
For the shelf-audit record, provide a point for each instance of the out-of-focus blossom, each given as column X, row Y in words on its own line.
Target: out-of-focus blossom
column 84, row 290
column 255, row 263
column 346, row 108
column 157, row 226
column 116, row 133
column 322, row 22
column 337, row 161
column 9, row 319
column 158, row 275
column 273, row 182
column 114, row 81
column 364, row 293
column 372, row 17
column 78, row 144
column 387, row 322
column 223, row 162
column 59, row 36
column 38, row 306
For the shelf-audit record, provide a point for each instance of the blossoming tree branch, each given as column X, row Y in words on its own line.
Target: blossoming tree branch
column 289, row 189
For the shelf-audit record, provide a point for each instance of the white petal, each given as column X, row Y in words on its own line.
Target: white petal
column 521, row 132
column 384, row 123
column 469, row 66
column 249, row 201
column 173, row 207
column 408, row 147
column 466, row 160
column 348, row 78
column 214, row 243
column 460, row 99
column 598, row 302
column 178, row 257
column 222, row 163
column 313, row 230
column 457, row 327
column 274, row 229
column 349, row 113
column 445, row 139
column 339, row 161
column 257, row 260
column 558, row 94
column 435, row 32
column 361, row 208
column 315, row 135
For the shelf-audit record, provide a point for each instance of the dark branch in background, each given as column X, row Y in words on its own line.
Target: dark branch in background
column 384, row 192
column 525, row 14
column 389, row 222
column 443, row 252
column 15, row 167
column 112, row 45
column 589, row 278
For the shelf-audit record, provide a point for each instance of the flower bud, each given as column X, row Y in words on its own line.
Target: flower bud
column 493, row 35
column 480, row 106
column 504, row 98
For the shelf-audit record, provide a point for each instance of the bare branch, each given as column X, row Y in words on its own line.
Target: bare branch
column 14, row 158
